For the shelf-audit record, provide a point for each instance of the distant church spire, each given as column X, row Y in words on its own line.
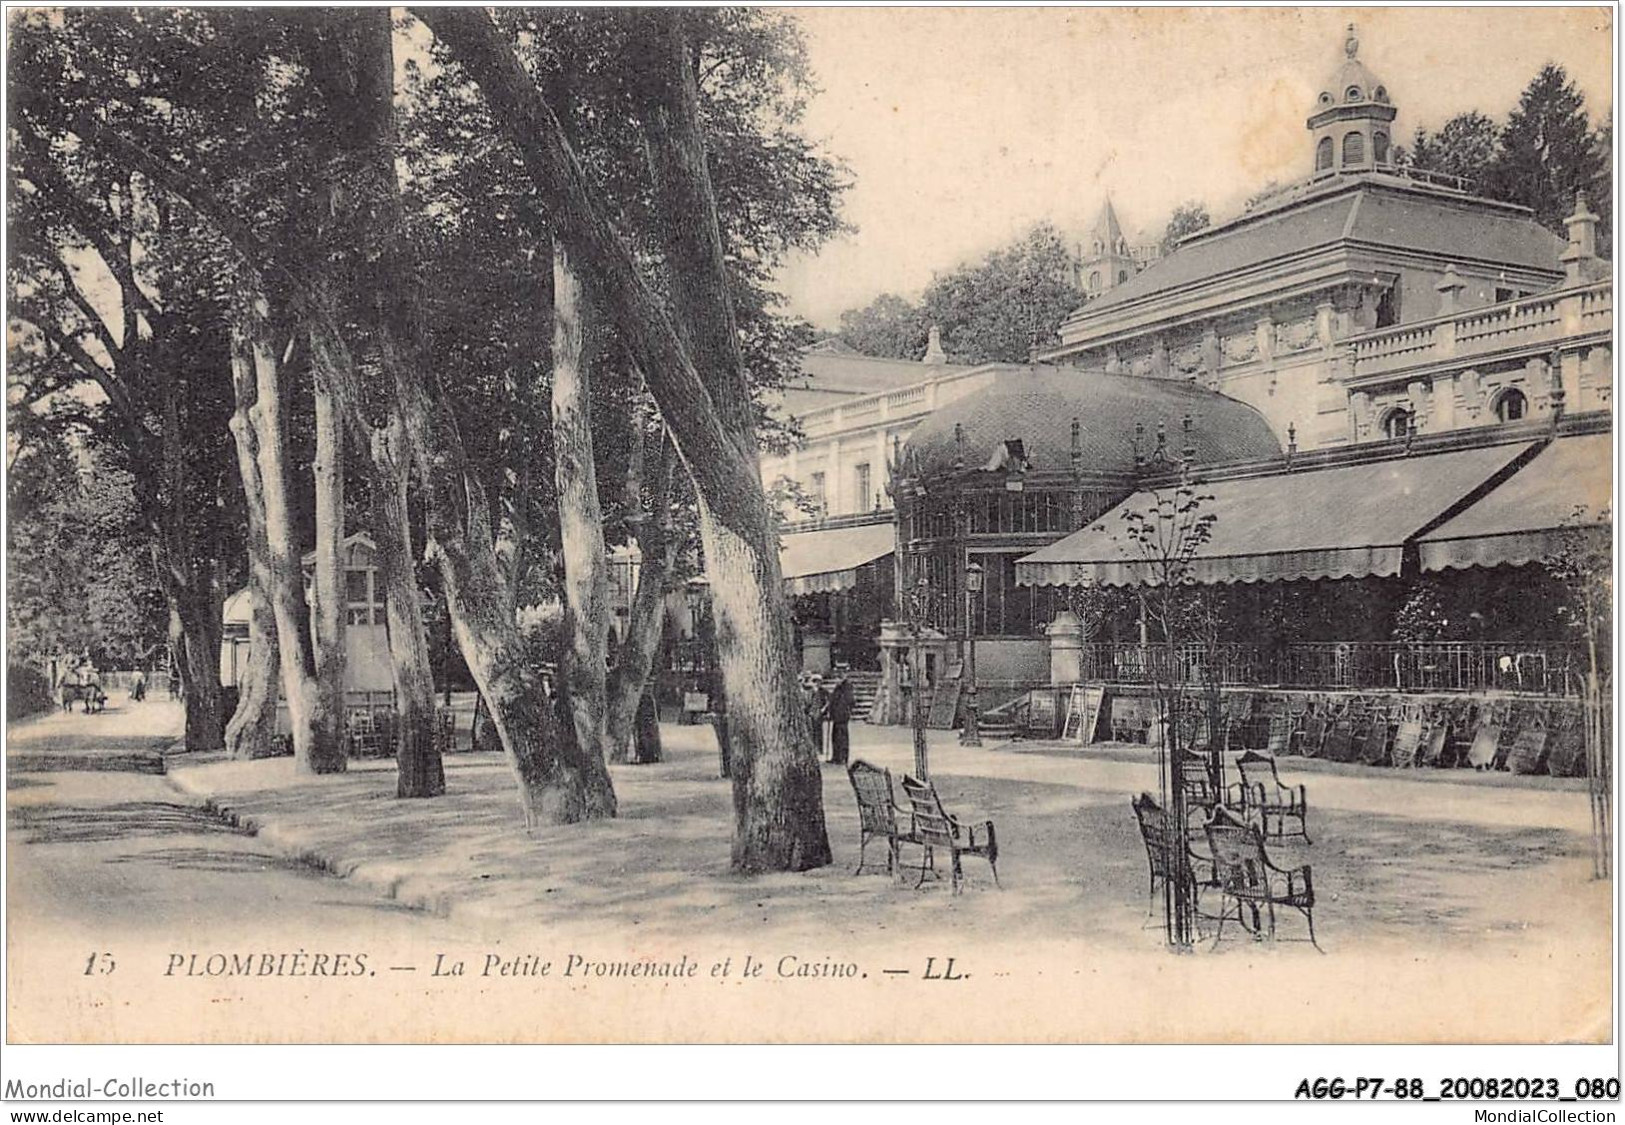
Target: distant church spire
column 1104, row 258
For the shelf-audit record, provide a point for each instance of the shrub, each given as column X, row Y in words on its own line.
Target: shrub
column 28, row 692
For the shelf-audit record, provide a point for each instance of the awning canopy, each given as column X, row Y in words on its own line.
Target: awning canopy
column 1350, row 521
column 1566, row 490
column 821, row 562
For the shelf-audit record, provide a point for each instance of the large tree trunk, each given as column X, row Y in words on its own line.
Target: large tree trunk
column 329, row 753
column 629, row 683
column 192, row 586
column 419, row 770
column 285, row 583
column 697, row 378
column 581, row 521
column 251, row 731
column 778, row 785
column 559, row 780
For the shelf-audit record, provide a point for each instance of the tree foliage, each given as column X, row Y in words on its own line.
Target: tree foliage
column 1542, row 156
column 1188, row 218
column 994, row 310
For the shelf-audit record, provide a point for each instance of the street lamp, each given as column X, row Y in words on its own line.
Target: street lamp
column 918, row 608
column 972, row 734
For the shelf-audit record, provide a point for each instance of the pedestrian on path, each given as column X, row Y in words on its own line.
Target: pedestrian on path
column 839, row 710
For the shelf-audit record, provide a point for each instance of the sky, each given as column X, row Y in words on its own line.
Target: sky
column 962, row 127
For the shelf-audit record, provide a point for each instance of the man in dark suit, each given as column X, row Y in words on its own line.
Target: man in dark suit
column 839, row 712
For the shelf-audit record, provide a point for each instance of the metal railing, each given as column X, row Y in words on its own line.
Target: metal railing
column 1548, row 668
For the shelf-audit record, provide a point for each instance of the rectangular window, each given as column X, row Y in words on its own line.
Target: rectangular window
column 862, row 501
column 815, row 489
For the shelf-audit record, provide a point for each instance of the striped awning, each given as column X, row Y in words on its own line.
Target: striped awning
column 822, row 562
column 1347, row 521
column 1565, row 494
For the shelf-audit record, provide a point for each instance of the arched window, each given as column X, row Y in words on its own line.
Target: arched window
column 1122, row 276
column 1325, row 98
column 1353, row 149
column 1379, row 148
column 1396, row 423
column 1352, row 94
column 1381, row 94
column 1094, row 280
column 1323, row 154
column 1511, row 406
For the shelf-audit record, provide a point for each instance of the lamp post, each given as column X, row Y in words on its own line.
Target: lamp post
column 972, row 734
column 918, row 607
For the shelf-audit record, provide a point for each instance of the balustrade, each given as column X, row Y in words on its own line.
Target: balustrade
column 1543, row 318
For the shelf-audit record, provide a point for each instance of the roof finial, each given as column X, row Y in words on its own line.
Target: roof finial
column 1351, row 45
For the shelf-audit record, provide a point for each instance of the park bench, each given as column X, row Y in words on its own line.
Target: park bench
column 1246, row 879
column 936, row 830
column 1270, row 800
column 1154, row 833
column 878, row 814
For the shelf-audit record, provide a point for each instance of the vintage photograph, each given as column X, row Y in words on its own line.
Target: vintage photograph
column 821, row 526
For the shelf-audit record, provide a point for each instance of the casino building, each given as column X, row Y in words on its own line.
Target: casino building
column 1396, row 397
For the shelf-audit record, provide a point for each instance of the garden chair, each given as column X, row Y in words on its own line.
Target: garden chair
column 1272, row 802
column 1372, row 750
column 878, row 813
column 1154, row 833
column 1486, row 744
column 1200, row 791
column 935, row 830
column 1527, row 754
column 445, row 730
column 1245, row 878
column 1409, row 735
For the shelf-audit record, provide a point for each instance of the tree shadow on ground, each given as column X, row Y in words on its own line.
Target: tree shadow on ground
column 77, row 824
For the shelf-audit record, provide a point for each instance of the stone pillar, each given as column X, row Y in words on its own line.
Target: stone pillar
column 1264, row 333
column 1580, row 260
column 1443, row 393
column 1596, row 386
column 1471, row 386
column 1450, row 287
column 1159, row 356
column 835, row 479
column 1417, row 392
column 1065, row 635
column 815, row 648
column 1359, row 414
column 1212, row 357
column 1538, row 385
column 1326, row 323
column 877, row 473
column 1573, row 365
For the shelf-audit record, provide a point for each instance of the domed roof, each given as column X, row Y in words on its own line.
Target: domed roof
column 1036, row 406
column 1352, row 83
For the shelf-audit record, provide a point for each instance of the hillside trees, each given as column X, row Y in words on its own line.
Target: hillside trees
column 995, row 310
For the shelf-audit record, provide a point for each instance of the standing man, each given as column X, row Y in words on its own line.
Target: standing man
column 138, row 685
column 839, row 711
column 812, row 701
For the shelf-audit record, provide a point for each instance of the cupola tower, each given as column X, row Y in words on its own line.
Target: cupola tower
column 1351, row 126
